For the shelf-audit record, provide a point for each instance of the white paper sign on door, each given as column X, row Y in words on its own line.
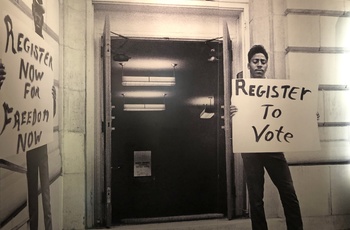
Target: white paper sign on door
column 142, row 163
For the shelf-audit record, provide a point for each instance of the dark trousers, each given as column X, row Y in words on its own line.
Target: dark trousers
column 278, row 170
column 37, row 161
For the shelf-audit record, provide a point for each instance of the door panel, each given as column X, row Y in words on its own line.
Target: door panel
column 227, row 47
column 107, row 120
column 187, row 153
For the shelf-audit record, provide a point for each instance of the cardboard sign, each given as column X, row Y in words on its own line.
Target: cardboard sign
column 26, row 101
column 274, row 116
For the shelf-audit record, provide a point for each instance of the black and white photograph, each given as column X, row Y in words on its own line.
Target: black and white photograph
column 174, row 114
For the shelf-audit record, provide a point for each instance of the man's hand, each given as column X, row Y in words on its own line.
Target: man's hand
column 233, row 110
column 2, row 73
column 54, row 99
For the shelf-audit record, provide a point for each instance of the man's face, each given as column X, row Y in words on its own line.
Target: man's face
column 257, row 66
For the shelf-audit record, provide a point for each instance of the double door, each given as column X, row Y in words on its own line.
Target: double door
column 184, row 167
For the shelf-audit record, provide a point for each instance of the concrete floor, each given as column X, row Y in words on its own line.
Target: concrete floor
column 213, row 224
column 310, row 223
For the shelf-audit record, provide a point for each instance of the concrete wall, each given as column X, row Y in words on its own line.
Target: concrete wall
column 78, row 113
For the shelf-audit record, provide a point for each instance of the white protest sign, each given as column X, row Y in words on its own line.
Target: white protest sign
column 26, row 101
column 274, row 116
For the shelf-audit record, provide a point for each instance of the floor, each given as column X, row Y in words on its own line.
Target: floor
column 213, row 224
column 337, row 222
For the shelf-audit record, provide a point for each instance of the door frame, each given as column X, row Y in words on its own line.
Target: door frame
column 240, row 45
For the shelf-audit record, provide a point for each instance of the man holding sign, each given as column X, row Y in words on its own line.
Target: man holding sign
column 259, row 154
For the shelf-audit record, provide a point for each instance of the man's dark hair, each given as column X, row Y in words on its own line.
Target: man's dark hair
column 257, row 49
